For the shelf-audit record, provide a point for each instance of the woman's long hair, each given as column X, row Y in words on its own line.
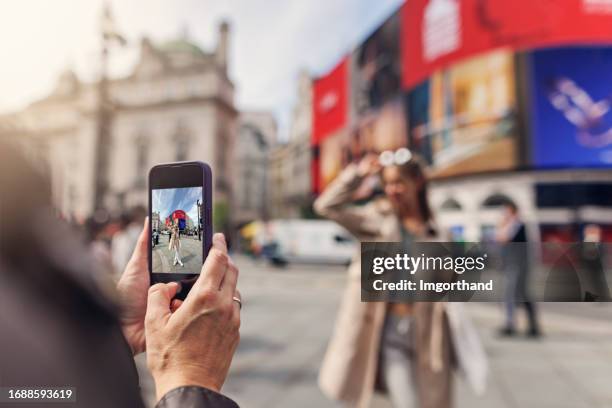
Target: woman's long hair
column 414, row 169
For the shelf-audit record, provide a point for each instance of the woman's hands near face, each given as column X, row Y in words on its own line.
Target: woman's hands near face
column 194, row 344
column 369, row 165
column 133, row 287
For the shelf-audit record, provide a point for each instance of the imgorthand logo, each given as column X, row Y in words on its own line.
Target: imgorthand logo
column 441, row 28
column 328, row 101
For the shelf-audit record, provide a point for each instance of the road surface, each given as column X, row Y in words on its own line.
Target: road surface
column 288, row 316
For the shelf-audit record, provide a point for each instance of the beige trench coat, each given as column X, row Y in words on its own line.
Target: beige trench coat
column 443, row 333
column 175, row 240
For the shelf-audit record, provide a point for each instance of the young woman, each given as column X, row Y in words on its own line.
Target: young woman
column 175, row 243
column 406, row 348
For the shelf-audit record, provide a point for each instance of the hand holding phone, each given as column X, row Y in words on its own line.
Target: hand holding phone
column 204, row 329
column 180, row 214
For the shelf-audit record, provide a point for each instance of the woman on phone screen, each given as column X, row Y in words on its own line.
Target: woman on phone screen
column 406, row 348
column 175, row 243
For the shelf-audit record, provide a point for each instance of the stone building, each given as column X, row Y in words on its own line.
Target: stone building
column 177, row 104
column 255, row 139
column 155, row 221
column 290, row 163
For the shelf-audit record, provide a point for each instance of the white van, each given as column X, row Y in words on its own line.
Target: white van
column 308, row 241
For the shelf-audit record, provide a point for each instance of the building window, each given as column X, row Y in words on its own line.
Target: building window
column 142, row 160
column 496, row 200
column 181, row 142
column 220, row 159
column 247, row 182
column 450, row 204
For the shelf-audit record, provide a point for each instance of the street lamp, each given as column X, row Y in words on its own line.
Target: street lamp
column 199, row 206
column 109, row 36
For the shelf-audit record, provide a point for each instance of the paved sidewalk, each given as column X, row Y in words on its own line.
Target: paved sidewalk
column 191, row 255
column 571, row 366
column 289, row 315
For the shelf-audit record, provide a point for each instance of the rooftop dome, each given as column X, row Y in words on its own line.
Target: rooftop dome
column 181, row 46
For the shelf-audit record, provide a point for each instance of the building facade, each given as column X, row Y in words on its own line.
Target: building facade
column 176, row 105
column 291, row 162
column 554, row 205
column 255, row 139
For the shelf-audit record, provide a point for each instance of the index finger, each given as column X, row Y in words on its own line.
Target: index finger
column 214, row 268
column 218, row 241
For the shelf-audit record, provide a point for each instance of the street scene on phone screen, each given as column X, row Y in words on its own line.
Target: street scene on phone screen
column 176, row 232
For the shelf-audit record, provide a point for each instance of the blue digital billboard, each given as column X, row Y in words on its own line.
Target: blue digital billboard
column 571, row 98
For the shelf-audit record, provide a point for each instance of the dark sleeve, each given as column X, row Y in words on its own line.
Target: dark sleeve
column 195, row 397
column 521, row 234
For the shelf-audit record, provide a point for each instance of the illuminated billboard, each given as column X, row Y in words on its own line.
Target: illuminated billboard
column 463, row 119
column 374, row 132
column 438, row 33
column 571, row 97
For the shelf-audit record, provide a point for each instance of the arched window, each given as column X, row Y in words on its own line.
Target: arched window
column 181, row 142
column 496, row 200
column 142, row 159
column 450, row 204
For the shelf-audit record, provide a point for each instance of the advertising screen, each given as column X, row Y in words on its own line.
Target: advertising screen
column 437, row 33
column 374, row 132
column 462, row 120
column 330, row 102
column 376, row 68
column 571, row 93
column 333, row 157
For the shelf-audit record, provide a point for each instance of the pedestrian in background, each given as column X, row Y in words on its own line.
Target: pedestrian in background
column 98, row 239
column 512, row 236
column 407, row 348
column 124, row 241
column 155, row 237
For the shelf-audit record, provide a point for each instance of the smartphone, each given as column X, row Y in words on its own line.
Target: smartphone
column 180, row 222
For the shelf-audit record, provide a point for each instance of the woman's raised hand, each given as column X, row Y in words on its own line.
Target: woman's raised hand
column 369, row 165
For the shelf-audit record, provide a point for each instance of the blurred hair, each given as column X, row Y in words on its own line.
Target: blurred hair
column 94, row 226
column 511, row 205
column 414, row 170
column 33, row 241
column 25, row 193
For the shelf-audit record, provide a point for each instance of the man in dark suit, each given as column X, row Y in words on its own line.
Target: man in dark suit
column 513, row 236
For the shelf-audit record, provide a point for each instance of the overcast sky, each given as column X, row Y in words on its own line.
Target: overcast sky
column 167, row 200
column 270, row 41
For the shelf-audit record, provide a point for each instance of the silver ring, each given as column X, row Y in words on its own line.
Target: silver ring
column 237, row 300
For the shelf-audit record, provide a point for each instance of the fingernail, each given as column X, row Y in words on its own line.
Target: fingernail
column 177, row 284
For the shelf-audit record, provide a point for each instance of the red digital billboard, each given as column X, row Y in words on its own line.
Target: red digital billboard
column 436, row 33
column 330, row 102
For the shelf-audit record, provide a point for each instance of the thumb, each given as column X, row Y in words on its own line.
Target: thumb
column 158, row 303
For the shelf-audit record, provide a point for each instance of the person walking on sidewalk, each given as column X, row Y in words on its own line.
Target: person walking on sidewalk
column 175, row 243
column 407, row 348
column 513, row 237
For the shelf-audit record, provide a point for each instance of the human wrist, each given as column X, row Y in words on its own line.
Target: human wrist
column 133, row 338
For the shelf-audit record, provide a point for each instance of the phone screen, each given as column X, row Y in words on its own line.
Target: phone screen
column 176, row 240
column 180, row 220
